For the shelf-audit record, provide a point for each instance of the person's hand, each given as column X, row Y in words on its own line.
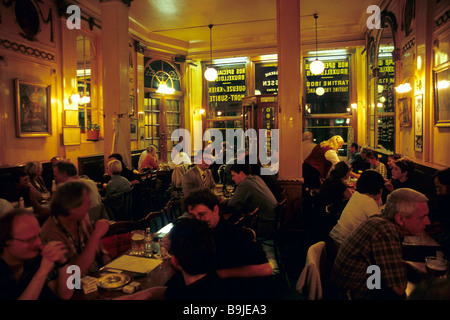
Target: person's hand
column 101, row 228
column 52, row 252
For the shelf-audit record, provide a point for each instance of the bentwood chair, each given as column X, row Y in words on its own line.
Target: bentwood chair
column 313, row 276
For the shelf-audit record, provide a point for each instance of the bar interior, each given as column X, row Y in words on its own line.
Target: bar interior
column 216, row 150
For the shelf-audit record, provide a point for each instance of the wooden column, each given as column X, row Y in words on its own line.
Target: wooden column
column 116, row 97
column 289, row 103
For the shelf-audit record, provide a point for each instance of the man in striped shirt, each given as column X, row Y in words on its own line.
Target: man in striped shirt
column 378, row 241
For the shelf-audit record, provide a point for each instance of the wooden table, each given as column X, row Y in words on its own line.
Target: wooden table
column 157, row 277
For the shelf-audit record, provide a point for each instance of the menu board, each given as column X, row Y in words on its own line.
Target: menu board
column 335, row 81
column 385, row 102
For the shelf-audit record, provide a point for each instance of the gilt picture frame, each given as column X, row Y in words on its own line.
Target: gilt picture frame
column 32, row 109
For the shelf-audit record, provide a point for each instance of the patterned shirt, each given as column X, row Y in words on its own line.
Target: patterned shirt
column 381, row 168
column 375, row 242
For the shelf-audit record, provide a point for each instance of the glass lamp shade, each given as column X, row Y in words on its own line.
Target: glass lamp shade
column 406, row 87
column 210, row 74
column 317, row 67
column 320, row 91
column 85, row 99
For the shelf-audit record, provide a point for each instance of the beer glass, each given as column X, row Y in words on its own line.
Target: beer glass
column 436, row 267
column 137, row 242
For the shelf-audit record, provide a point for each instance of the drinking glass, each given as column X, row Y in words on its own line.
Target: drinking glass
column 229, row 188
column 436, row 267
column 137, row 242
column 46, row 196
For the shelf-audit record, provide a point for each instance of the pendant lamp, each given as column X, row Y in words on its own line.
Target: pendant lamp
column 210, row 73
column 317, row 66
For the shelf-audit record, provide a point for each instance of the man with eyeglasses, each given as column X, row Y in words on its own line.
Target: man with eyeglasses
column 28, row 269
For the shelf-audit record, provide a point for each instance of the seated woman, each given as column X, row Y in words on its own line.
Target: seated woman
column 334, row 193
column 34, row 171
column 390, row 164
column 117, row 184
column 404, row 175
column 70, row 224
column 126, row 173
column 151, row 160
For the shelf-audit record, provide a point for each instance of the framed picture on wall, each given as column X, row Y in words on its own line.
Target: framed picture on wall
column 33, row 109
column 418, row 123
column 441, row 85
column 404, row 105
column 133, row 128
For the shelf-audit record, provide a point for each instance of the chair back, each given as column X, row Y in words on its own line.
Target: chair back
column 313, row 278
column 248, row 220
column 148, row 219
column 176, row 180
column 119, row 206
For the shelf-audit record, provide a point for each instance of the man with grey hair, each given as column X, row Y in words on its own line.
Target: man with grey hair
column 307, row 144
column 378, row 242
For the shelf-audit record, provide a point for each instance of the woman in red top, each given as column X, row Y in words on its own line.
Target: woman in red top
column 319, row 162
column 151, row 161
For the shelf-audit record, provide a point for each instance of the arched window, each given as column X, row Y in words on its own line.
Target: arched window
column 162, row 105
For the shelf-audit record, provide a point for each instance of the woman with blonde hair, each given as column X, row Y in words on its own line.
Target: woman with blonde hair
column 151, row 160
column 319, row 162
column 117, row 184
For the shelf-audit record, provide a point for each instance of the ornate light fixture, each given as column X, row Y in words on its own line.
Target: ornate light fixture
column 210, row 73
column 406, row 86
column 316, row 66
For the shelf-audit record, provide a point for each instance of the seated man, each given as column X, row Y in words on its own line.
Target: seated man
column 193, row 251
column 150, row 161
column 239, row 259
column 66, row 171
column 251, row 192
column 199, row 177
column 70, row 224
column 378, row 241
column 28, row 270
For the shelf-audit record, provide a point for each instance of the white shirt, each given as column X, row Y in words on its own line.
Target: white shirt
column 142, row 157
column 359, row 208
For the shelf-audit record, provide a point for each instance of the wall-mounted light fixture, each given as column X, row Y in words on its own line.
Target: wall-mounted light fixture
column 406, row 86
column 74, row 98
column 355, row 105
column 199, row 111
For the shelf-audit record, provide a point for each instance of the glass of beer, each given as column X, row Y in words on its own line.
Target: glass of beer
column 436, row 267
column 137, row 242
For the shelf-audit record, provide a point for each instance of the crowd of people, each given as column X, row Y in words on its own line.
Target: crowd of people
column 370, row 207
column 365, row 225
